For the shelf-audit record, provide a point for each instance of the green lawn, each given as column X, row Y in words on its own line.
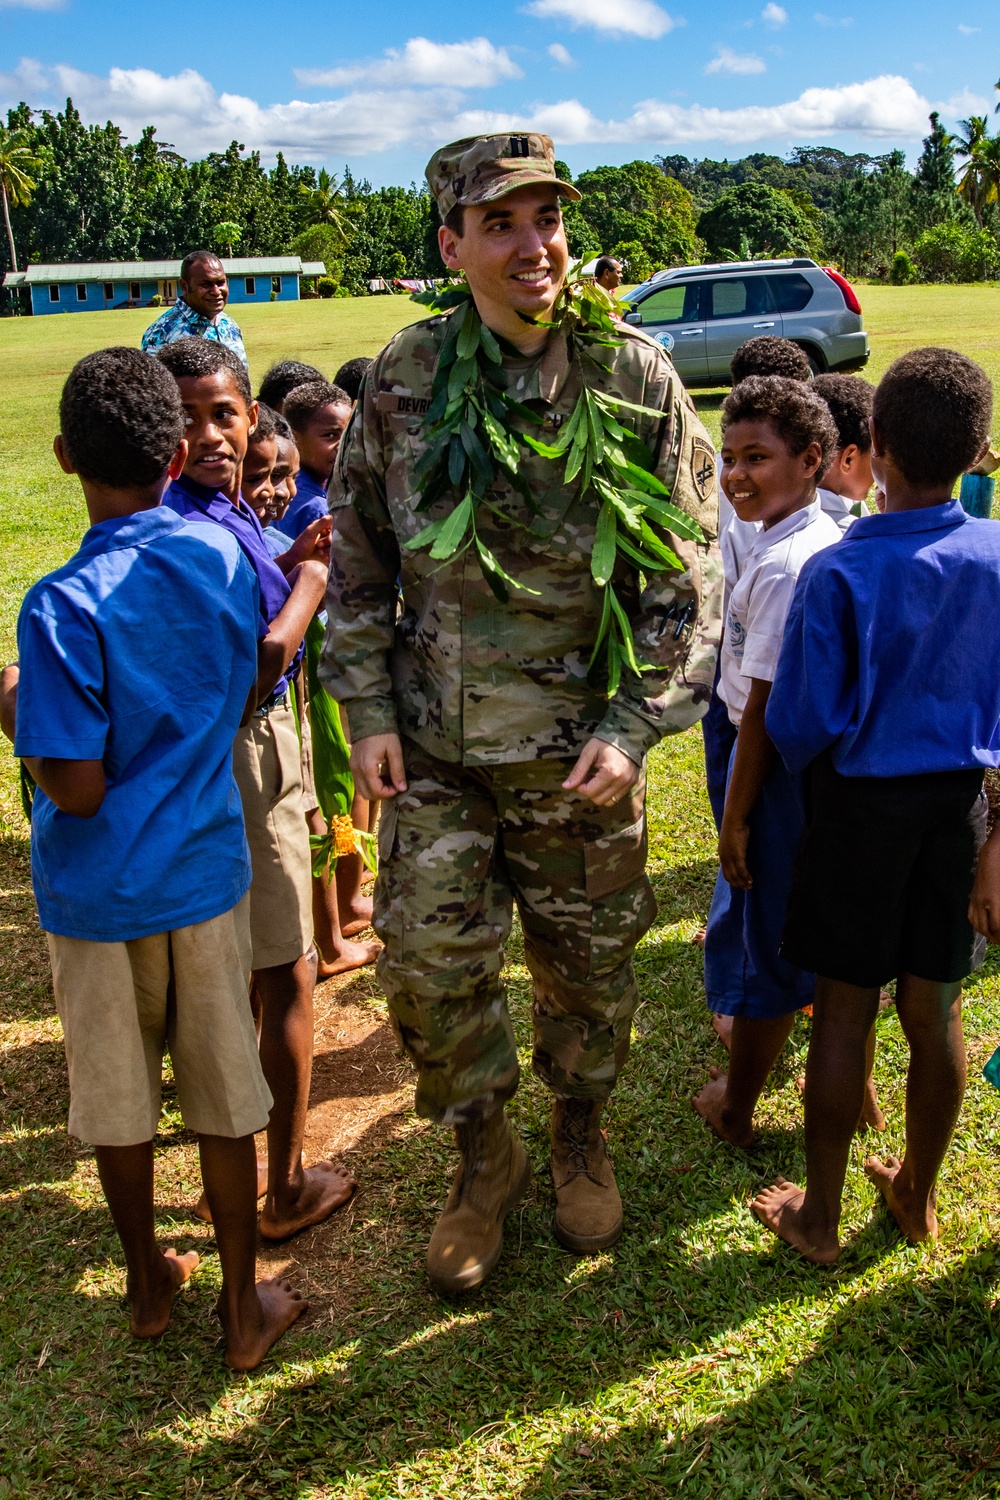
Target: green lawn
column 697, row 1358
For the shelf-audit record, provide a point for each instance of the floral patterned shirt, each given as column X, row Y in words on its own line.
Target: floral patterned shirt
column 182, row 321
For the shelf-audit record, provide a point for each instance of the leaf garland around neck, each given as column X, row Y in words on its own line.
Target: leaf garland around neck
column 472, row 446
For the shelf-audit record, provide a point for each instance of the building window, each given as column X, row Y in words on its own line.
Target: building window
column 250, row 283
column 81, row 291
column 135, row 291
column 109, row 291
column 276, row 285
column 168, row 291
column 53, row 294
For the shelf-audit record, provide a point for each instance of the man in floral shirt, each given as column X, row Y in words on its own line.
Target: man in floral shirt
column 199, row 310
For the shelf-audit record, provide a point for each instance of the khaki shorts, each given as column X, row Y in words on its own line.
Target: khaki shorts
column 267, row 765
column 123, row 1004
column 310, row 797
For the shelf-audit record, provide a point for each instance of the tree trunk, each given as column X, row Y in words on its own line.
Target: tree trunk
column 10, row 232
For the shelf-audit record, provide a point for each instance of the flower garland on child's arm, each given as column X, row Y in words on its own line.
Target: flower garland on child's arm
column 471, row 446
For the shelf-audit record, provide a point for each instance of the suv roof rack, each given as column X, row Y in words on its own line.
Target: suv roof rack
column 736, row 265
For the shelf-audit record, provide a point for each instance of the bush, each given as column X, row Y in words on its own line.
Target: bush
column 342, row 291
column 753, row 220
column 326, row 286
column 954, row 252
column 901, row 273
column 156, row 301
column 635, row 262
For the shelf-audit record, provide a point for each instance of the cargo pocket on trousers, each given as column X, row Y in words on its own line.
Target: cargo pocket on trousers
column 621, row 898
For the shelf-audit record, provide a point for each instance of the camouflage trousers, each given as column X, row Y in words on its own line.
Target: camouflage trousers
column 456, row 851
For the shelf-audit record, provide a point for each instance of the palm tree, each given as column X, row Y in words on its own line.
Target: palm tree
column 324, row 203
column 17, row 162
column 971, row 185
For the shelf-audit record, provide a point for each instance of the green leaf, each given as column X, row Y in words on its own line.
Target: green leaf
column 659, row 548
column 425, row 537
column 462, row 372
column 596, row 429
column 676, row 521
column 645, row 480
column 490, row 345
column 456, row 460
column 602, row 559
column 614, row 666
column 496, row 577
column 573, row 464
column 468, row 338
column 547, row 450
column 641, row 559
column 453, row 531
column 625, row 626
column 602, row 630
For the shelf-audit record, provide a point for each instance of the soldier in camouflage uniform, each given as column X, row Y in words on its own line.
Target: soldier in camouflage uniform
column 508, row 777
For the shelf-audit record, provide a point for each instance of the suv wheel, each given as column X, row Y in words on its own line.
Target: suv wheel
column 816, row 362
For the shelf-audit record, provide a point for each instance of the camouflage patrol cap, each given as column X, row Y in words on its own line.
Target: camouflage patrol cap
column 483, row 168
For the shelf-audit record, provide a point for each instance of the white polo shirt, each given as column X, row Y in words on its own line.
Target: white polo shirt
column 840, row 510
column 760, row 600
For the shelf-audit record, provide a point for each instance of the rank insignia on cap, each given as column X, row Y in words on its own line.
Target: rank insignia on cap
column 702, row 468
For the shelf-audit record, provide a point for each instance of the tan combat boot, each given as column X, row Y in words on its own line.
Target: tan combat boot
column 492, row 1177
column 588, row 1204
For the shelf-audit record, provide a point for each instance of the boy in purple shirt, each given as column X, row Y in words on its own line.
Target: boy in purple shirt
column 888, row 691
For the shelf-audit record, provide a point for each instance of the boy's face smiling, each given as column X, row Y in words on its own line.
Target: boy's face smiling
column 283, row 477
column 257, row 481
column 217, row 432
column 762, row 478
column 319, row 443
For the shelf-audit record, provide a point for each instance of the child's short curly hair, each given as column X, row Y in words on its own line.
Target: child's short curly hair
column 769, row 355
column 796, row 413
column 267, row 424
column 192, row 358
column 302, row 404
column 850, row 401
column 120, row 417
column 932, row 412
column 284, row 377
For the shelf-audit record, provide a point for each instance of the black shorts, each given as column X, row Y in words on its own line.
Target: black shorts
column 883, row 876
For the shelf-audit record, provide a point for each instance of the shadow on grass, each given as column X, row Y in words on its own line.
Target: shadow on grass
column 899, row 1389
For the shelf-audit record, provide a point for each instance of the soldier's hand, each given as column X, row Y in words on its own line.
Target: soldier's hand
column 377, row 766
column 603, row 773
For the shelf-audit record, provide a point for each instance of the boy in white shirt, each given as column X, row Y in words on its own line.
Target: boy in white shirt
column 848, row 478
column 778, row 438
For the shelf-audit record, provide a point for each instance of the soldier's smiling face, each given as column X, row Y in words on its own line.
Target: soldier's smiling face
column 513, row 253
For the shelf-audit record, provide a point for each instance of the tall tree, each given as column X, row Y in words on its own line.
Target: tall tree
column 17, row 163
column 972, row 183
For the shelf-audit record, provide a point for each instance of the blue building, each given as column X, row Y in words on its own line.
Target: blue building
column 99, row 286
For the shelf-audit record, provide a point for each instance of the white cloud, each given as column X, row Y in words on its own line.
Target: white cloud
column 187, row 110
column 728, row 61
column 472, row 65
column 774, row 15
column 562, row 56
column 634, row 17
column 824, row 20
column 969, row 30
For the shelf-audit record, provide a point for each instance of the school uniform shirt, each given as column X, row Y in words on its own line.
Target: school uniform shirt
column 761, row 598
column 195, row 502
column 736, row 541
column 140, row 652
column 309, row 505
column 891, row 658
column 842, row 511
column 275, row 541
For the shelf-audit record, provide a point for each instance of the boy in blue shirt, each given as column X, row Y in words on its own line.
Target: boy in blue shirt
column 137, row 663
column 318, row 414
column 220, row 415
column 888, row 690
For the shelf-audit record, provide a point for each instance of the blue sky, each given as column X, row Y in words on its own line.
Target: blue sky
column 380, row 86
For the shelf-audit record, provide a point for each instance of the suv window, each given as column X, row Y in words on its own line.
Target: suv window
column 738, row 297
column 791, row 292
column 672, row 304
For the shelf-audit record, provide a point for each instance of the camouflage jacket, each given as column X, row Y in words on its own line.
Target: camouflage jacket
column 477, row 681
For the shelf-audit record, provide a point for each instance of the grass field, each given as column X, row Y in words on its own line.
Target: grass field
column 697, row 1358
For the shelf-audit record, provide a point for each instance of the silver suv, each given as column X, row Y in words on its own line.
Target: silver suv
column 702, row 314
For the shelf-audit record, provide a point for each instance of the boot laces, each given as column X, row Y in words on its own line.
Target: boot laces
column 576, row 1117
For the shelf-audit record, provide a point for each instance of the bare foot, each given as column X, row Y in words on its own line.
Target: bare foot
column 723, row 1028
column 324, row 1187
column 201, row 1209
column 918, row 1222
column 351, row 956
column 278, row 1306
column 709, row 1102
column 700, row 936
column 872, row 1117
column 358, row 916
column 151, row 1313
column 780, row 1209
column 885, row 1000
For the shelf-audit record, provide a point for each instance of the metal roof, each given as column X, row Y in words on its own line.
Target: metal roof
column 313, row 268
column 151, row 270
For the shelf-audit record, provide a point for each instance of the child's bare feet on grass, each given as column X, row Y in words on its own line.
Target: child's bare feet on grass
column 351, row 956
column 780, row 1209
column 150, row 1312
column 723, row 1028
column 358, row 915
column 709, row 1102
column 917, row 1221
column 324, row 1188
column 278, row 1306
column 699, row 937
column 201, row 1209
column 872, row 1117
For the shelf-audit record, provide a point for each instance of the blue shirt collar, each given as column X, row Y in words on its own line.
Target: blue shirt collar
column 216, row 505
column 130, row 531
column 899, row 522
